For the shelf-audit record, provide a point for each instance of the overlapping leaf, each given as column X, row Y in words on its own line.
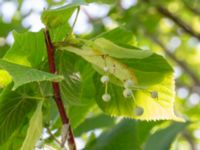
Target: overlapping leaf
column 28, row 49
column 77, row 88
column 149, row 72
column 162, row 139
column 14, row 109
column 117, row 137
column 22, row 74
column 96, row 122
column 34, row 130
column 56, row 17
column 56, row 20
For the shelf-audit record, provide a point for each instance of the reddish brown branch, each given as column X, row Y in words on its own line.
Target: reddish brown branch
column 56, row 90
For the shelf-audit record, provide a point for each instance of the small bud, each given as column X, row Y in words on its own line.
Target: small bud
column 40, row 144
column 106, row 69
column 104, row 79
column 127, row 93
column 154, row 94
column 128, row 83
column 138, row 111
column 106, row 97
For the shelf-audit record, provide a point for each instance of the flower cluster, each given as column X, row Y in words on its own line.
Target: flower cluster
column 127, row 92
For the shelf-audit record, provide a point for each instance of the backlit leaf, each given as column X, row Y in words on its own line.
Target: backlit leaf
column 55, row 17
column 22, row 74
column 14, row 109
column 28, row 49
column 149, row 72
column 34, row 130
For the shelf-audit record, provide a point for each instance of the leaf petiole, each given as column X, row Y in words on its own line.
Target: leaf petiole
column 75, row 20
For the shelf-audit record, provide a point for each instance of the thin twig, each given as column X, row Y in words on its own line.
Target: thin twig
column 56, row 90
column 75, row 20
column 178, row 21
column 52, row 136
column 192, row 9
column 188, row 137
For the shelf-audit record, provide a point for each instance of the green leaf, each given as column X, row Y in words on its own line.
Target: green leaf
column 34, row 130
column 16, row 140
column 14, row 110
column 5, row 78
column 3, row 50
column 162, row 139
column 77, row 86
column 95, row 58
column 54, row 18
column 122, row 136
column 95, row 122
column 22, row 74
column 119, row 35
column 150, row 73
column 78, row 113
column 144, row 129
column 59, row 33
column 28, row 49
column 113, row 50
column 153, row 108
column 126, row 135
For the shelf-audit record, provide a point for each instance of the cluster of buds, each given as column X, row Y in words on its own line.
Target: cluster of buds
column 127, row 92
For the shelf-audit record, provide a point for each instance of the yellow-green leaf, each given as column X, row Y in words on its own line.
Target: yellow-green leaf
column 113, row 50
column 152, row 73
column 22, row 74
column 34, row 130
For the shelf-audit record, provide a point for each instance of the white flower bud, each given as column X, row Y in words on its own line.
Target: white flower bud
column 154, row 94
column 104, row 79
column 40, row 144
column 128, row 83
column 127, row 93
column 138, row 111
column 106, row 97
column 106, row 69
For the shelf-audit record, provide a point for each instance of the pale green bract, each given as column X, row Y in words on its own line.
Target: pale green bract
column 135, row 66
column 22, row 74
column 113, row 50
column 34, row 130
